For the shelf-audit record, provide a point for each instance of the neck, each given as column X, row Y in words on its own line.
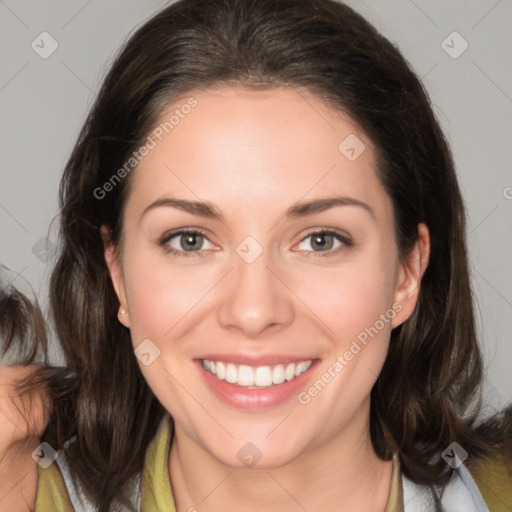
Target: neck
column 343, row 473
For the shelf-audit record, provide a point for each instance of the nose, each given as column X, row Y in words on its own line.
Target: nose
column 256, row 298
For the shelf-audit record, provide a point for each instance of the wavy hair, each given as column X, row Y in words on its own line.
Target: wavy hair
column 429, row 391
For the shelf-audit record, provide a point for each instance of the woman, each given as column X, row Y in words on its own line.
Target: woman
column 262, row 291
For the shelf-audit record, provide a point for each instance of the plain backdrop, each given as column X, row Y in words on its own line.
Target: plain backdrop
column 462, row 49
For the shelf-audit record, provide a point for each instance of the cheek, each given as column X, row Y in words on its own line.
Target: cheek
column 160, row 294
column 347, row 298
column 162, row 298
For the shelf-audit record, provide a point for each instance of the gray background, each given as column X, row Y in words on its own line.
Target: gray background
column 43, row 103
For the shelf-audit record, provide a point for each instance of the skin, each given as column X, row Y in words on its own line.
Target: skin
column 22, row 422
column 253, row 155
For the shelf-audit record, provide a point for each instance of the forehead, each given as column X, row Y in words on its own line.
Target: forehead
column 245, row 147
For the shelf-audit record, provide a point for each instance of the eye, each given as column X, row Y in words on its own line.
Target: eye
column 184, row 242
column 325, row 241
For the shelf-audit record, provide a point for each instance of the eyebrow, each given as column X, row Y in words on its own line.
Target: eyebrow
column 323, row 204
column 298, row 210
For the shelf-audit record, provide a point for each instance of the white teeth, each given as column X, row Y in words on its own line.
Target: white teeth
column 289, row 373
column 302, row 367
column 263, row 376
column 278, row 374
column 231, row 373
column 260, row 376
column 221, row 371
column 245, row 376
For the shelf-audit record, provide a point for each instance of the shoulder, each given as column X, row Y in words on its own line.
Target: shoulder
column 57, row 491
column 52, row 493
column 493, row 476
column 477, row 485
column 156, row 492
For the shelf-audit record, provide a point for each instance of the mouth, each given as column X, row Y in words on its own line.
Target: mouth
column 248, row 383
column 256, row 377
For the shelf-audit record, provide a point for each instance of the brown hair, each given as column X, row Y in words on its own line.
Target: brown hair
column 24, row 343
column 423, row 398
column 23, row 337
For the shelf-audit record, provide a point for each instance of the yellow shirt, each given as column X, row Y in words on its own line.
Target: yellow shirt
column 493, row 478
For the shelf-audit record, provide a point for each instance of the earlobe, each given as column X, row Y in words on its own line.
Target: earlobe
column 122, row 315
column 410, row 274
column 116, row 274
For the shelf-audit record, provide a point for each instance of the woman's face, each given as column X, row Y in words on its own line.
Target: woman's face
column 295, row 324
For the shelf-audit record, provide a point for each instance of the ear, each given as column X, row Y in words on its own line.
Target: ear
column 411, row 271
column 116, row 274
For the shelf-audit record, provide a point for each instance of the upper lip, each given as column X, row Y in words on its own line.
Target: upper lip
column 256, row 360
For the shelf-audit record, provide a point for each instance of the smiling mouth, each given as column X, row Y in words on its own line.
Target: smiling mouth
column 256, row 377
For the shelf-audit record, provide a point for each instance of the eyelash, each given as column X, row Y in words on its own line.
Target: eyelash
column 346, row 241
column 168, row 236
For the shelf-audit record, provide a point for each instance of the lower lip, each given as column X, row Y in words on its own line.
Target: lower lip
column 245, row 398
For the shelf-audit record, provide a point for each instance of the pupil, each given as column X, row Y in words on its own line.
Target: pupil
column 321, row 242
column 189, row 239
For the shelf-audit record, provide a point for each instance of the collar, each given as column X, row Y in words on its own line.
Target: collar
column 396, row 493
column 156, row 493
